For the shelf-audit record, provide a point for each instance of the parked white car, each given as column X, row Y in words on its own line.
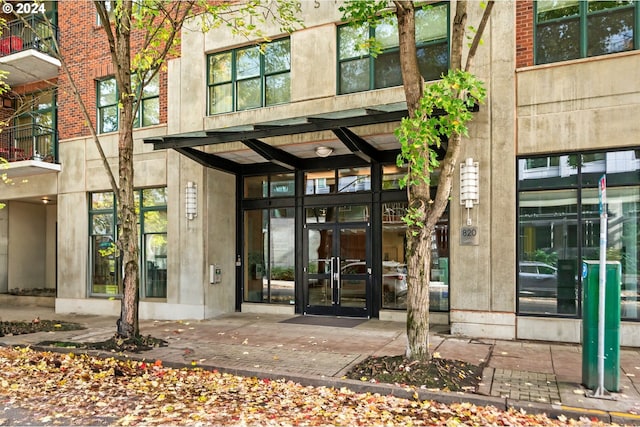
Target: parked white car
column 537, row 279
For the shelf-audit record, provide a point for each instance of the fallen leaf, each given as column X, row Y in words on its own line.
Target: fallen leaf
column 88, row 391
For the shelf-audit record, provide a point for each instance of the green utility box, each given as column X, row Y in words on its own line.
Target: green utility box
column 591, row 299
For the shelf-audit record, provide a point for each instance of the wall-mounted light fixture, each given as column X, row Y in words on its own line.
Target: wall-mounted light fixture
column 324, row 151
column 469, row 185
column 191, row 200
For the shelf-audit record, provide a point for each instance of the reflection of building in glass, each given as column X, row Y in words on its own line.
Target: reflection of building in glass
column 559, row 228
column 394, row 267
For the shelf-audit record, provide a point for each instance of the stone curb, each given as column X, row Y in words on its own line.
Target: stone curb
column 409, row 392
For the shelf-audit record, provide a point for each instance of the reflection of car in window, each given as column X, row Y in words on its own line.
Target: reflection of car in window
column 394, row 279
column 538, row 279
column 394, row 276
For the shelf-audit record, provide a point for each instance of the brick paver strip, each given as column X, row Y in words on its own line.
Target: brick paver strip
column 532, row 386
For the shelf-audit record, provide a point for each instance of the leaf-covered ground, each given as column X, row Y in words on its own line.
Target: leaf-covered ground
column 435, row 374
column 115, row 344
column 36, row 325
column 47, row 388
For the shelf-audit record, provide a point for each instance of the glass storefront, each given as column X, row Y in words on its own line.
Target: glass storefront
column 104, row 263
column 394, row 263
column 329, row 246
column 269, row 255
column 559, row 227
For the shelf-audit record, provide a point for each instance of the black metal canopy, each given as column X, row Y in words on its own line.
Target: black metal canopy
column 338, row 122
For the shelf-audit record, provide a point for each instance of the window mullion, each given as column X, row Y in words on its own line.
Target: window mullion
column 636, row 30
column 234, row 79
column 583, row 11
column 372, row 62
column 263, row 81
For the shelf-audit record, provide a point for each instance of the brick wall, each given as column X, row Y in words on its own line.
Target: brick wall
column 524, row 33
column 84, row 46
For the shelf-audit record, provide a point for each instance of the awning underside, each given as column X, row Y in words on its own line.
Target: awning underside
column 255, row 151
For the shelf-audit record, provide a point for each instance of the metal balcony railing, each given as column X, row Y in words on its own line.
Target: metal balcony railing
column 29, row 142
column 31, row 33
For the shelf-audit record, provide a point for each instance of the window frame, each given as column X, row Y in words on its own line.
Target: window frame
column 31, row 109
column 110, row 11
column 112, row 210
column 235, row 78
column 583, row 16
column 332, row 181
column 582, row 185
column 373, row 58
column 109, row 5
column 103, row 107
column 139, row 113
column 145, row 99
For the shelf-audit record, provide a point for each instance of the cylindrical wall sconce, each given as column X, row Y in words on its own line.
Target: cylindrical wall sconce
column 469, row 185
column 191, row 200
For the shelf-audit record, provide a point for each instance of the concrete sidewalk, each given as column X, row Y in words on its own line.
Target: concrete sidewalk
column 539, row 377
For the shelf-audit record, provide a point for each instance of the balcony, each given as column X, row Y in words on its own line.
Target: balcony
column 29, row 150
column 27, row 51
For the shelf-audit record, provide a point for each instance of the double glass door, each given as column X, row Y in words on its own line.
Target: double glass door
column 337, row 269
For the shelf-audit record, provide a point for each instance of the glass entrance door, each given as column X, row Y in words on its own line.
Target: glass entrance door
column 337, row 269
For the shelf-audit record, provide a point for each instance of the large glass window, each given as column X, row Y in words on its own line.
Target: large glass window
column 548, row 261
column 269, row 238
column 106, row 275
column 392, row 176
column 570, row 29
column 247, row 78
column 148, row 113
column 274, row 185
column 34, row 135
column 107, row 100
column 394, row 262
column 270, row 256
column 347, row 180
column 104, row 260
column 152, row 205
column 359, row 70
column 37, row 108
column 560, row 227
column 107, row 103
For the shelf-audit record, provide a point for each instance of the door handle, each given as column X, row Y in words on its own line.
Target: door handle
column 336, row 273
column 337, row 277
column 332, row 277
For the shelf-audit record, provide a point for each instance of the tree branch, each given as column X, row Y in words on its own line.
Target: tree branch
column 78, row 98
column 476, row 39
column 457, row 36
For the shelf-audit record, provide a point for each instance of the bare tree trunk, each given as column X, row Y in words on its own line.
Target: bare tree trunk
column 426, row 210
column 128, row 239
column 418, row 261
column 120, row 46
column 418, row 254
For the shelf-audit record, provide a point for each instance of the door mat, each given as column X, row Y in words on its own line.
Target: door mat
column 337, row 322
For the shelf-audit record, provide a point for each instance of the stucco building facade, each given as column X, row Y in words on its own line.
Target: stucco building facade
column 268, row 183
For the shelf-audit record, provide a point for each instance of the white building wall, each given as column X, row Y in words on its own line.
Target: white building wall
column 27, row 237
column 483, row 280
